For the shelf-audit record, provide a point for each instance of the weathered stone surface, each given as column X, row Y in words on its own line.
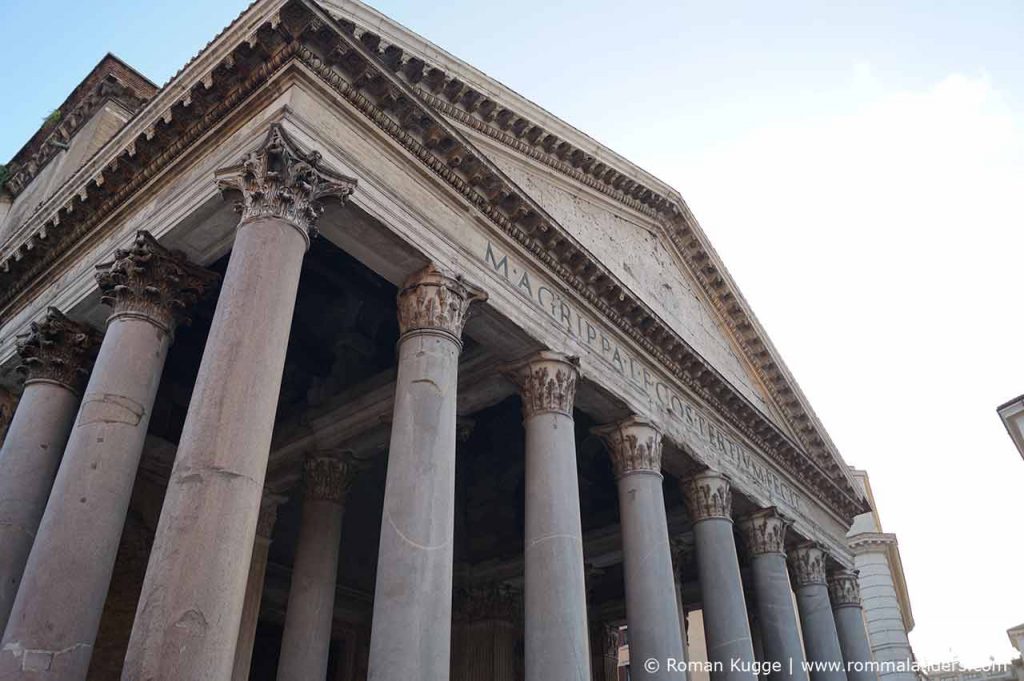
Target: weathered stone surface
column 306, row 641
column 192, row 600
column 254, row 588
column 56, row 614
column 557, row 643
column 726, row 625
column 57, row 356
column 654, row 633
column 821, row 641
column 764, row 533
column 412, row 605
column 844, row 592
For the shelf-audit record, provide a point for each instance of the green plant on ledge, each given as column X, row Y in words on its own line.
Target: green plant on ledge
column 52, row 119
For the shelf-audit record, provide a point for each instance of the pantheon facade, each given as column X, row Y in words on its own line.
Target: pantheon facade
column 333, row 358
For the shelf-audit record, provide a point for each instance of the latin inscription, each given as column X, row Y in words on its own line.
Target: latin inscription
column 570, row 320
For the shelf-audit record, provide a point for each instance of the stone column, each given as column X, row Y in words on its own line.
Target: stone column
column 844, row 592
column 57, row 612
column 821, row 642
column 254, row 588
column 557, row 646
column 412, row 605
column 653, row 619
column 188, row 619
column 56, row 355
column 307, row 625
column 726, row 628
column 764, row 533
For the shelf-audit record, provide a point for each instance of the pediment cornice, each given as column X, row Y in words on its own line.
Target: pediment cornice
column 270, row 36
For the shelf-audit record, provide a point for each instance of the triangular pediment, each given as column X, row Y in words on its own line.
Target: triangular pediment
column 434, row 115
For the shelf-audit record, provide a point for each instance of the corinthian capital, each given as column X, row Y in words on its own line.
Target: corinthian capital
column 764, row 532
column 707, row 495
column 149, row 281
column 281, row 181
column 807, row 563
column 547, row 382
column 434, row 300
column 844, row 588
column 634, row 445
column 59, row 350
column 329, row 477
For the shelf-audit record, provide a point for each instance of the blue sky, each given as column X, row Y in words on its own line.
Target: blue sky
column 858, row 166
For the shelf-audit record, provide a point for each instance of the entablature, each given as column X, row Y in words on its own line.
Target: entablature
column 270, row 36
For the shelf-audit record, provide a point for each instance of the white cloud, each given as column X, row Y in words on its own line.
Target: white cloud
column 883, row 250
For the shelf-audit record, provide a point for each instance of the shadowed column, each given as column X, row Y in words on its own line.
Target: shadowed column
column 254, row 587
column 56, row 356
column 653, row 618
column 190, row 610
column 844, row 592
column 821, row 642
column 726, row 627
column 412, row 604
column 53, row 624
column 307, row 625
column 764, row 533
column 557, row 645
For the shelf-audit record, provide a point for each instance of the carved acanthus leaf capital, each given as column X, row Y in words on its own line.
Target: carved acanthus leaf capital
column 329, row 477
column 707, row 495
column 58, row 349
column 764, row 532
column 435, row 300
column 547, row 382
column 634, row 445
column 280, row 180
column 154, row 282
column 488, row 602
column 808, row 562
column 844, row 588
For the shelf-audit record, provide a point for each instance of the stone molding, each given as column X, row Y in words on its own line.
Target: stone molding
column 488, row 602
column 707, row 495
column 280, row 180
column 844, row 588
column 807, row 563
column 634, row 446
column 434, row 300
column 149, row 281
column 328, row 477
column 871, row 542
column 370, row 76
column 764, row 532
column 547, row 382
column 59, row 350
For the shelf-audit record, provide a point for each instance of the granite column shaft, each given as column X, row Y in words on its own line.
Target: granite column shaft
column 254, row 589
column 821, row 641
column 764, row 533
column 56, row 615
column 56, row 357
column 190, row 610
column 306, row 641
column 654, row 631
column 844, row 593
column 726, row 626
column 412, row 605
column 557, row 645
